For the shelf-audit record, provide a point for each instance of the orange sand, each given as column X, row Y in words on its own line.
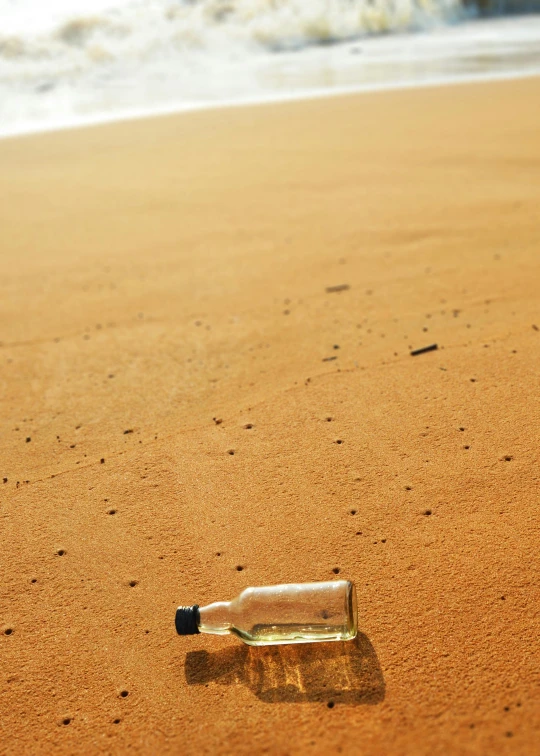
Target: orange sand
column 162, row 273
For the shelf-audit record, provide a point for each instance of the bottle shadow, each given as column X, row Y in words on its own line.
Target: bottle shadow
column 337, row 672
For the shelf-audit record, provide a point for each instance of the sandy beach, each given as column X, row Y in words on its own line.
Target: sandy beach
column 189, row 408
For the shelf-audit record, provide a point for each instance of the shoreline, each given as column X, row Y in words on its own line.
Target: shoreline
column 126, row 117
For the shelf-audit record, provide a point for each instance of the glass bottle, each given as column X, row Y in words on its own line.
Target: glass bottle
column 292, row 613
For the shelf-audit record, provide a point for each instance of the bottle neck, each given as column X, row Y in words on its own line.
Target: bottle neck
column 215, row 618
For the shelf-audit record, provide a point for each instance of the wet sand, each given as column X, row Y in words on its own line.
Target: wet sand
column 186, row 411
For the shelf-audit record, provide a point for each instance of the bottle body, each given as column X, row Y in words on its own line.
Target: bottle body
column 289, row 613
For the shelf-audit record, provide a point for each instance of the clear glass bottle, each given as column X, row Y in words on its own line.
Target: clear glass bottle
column 292, row 613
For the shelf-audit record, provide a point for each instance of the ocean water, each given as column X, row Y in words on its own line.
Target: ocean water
column 67, row 62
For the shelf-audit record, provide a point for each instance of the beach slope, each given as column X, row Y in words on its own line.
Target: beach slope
column 206, row 383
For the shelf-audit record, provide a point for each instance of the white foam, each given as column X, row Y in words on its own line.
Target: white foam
column 86, row 61
column 299, row 95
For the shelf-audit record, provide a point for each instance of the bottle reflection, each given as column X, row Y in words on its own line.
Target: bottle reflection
column 334, row 672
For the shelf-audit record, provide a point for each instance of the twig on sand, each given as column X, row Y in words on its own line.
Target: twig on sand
column 430, row 348
column 339, row 287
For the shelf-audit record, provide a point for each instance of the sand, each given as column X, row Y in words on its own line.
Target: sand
column 186, row 411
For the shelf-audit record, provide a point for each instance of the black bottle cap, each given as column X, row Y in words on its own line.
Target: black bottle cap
column 187, row 620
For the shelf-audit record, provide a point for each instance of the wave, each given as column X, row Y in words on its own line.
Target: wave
column 145, row 30
column 276, row 25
